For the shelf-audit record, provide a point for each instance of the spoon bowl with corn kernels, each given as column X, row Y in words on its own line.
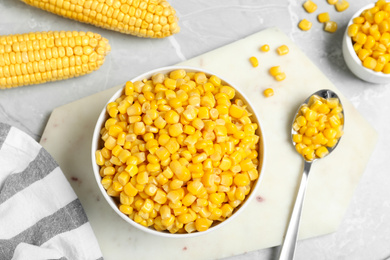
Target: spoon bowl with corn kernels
column 316, row 131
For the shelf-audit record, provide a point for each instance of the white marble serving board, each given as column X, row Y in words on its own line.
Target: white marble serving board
column 331, row 185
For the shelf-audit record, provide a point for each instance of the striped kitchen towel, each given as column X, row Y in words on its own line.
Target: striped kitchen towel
column 40, row 215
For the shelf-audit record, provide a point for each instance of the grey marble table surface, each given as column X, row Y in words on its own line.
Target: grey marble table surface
column 207, row 25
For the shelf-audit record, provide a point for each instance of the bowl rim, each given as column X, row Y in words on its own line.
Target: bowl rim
column 110, row 200
column 349, row 45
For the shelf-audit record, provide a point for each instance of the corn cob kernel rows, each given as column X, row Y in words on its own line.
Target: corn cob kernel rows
column 319, row 124
column 41, row 57
column 370, row 34
column 143, row 18
column 180, row 151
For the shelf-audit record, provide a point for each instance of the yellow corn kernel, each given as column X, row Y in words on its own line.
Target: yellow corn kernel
column 269, row 92
column 202, row 224
column 280, row 76
column 188, row 199
column 357, row 20
column 369, row 63
column 330, row 26
column 177, row 74
column 227, row 210
column 341, row 5
column 236, row 111
column 386, row 69
column 176, row 184
column 310, row 6
column 199, row 158
column 200, row 77
column 229, row 91
column 241, row 179
column 172, row 117
column 99, row 158
column 126, row 209
column 304, row 25
column 363, row 54
column 134, row 110
column 110, row 143
column 323, row 17
column 175, row 103
column 203, row 113
column 297, row 138
column 225, row 164
column 106, row 181
column 301, row 121
column 361, row 38
column 175, row 129
column 353, row 30
column 246, row 165
column 322, row 151
column 310, row 115
column 190, row 113
column 194, row 187
column 217, row 198
column 265, row 48
column 282, row 50
column 299, row 147
column 139, row 128
column 275, row 70
column 253, row 60
column 198, row 123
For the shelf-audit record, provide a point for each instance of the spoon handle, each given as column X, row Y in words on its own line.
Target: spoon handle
column 290, row 240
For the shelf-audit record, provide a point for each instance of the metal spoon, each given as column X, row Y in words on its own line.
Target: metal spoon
column 290, row 240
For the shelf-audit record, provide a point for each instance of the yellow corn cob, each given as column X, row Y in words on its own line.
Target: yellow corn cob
column 40, row 57
column 143, row 18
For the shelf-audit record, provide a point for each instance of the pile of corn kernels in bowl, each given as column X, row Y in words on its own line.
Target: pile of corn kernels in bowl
column 180, row 152
column 370, row 35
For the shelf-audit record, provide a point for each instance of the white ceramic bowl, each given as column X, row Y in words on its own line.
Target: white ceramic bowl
column 354, row 63
column 97, row 143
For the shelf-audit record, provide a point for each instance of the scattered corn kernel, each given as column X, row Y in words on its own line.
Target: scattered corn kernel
column 269, row 92
column 323, row 17
column 310, row 6
column 277, row 73
column 176, row 149
column 282, row 50
column 341, row 5
column 254, row 61
column 264, row 48
column 304, row 25
column 330, row 26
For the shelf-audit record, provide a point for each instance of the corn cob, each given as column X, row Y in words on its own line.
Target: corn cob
column 143, row 18
column 40, row 57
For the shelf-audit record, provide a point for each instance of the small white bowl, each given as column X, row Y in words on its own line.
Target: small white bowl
column 96, row 144
column 353, row 61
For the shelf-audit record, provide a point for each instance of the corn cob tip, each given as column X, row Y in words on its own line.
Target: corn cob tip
column 40, row 57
